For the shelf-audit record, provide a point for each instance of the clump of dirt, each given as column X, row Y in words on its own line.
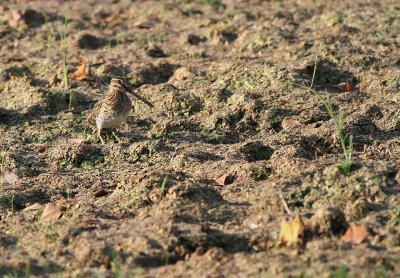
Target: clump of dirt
column 328, row 221
column 87, row 41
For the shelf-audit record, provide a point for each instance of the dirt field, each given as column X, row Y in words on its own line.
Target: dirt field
column 198, row 185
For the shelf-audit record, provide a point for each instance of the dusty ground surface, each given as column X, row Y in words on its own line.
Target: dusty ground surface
column 222, row 76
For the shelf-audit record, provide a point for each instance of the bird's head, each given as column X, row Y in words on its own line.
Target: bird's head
column 120, row 83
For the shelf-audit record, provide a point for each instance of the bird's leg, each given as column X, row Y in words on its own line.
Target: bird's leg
column 116, row 137
column 99, row 133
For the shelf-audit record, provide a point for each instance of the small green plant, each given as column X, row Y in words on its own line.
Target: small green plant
column 167, row 258
column 27, row 269
column 142, row 40
column 303, row 274
column 346, row 166
column 39, row 214
column 15, row 272
column 116, row 266
column 121, row 38
column 68, row 192
column 59, row 271
column 210, row 2
column 12, row 203
column 3, row 160
column 213, row 134
column 361, row 211
column 137, row 272
column 162, row 187
column 395, row 218
column 346, row 141
column 49, row 38
column 159, row 35
column 340, row 272
column 63, row 36
column 249, row 83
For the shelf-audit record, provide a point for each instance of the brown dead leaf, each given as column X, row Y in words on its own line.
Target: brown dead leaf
column 111, row 18
column 356, row 233
column 83, row 72
column 53, row 80
column 175, row 190
column 154, row 195
column 80, row 73
column 347, row 87
column 10, row 177
column 3, row 8
column 292, row 232
column 147, row 23
column 83, row 59
column 220, row 180
column 51, row 212
column 339, row 88
column 112, row 229
column 397, row 178
column 42, row 149
column 289, row 121
column 17, row 20
column 35, row 206
column 100, row 193
column 26, row 18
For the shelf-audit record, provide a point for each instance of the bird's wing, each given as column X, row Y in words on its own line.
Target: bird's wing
column 91, row 119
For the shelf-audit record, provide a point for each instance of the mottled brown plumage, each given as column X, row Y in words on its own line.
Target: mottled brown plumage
column 113, row 109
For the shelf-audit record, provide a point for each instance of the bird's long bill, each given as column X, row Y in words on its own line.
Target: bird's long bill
column 142, row 98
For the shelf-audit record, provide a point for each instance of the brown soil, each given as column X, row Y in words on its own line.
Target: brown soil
column 223, row 76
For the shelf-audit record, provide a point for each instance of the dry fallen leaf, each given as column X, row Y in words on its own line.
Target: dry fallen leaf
column 27, row 18
column 3, row 8
column 83, row 72
column 220, row 180
column 112, row 229
column 51, row 212
column 35, row 206
column 111, row 18
column 100, row 193
column 147, row 23
column 355, row 233
column 42, row 149
column 80, row 73
column 397, row 178
column 53, row 80
column 17, row 20
column 289, row 121
column 347, row 87
column 292, row 232
column 10, row 177
column 339, row 88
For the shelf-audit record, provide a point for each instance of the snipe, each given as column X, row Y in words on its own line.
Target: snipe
column 113, row 109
